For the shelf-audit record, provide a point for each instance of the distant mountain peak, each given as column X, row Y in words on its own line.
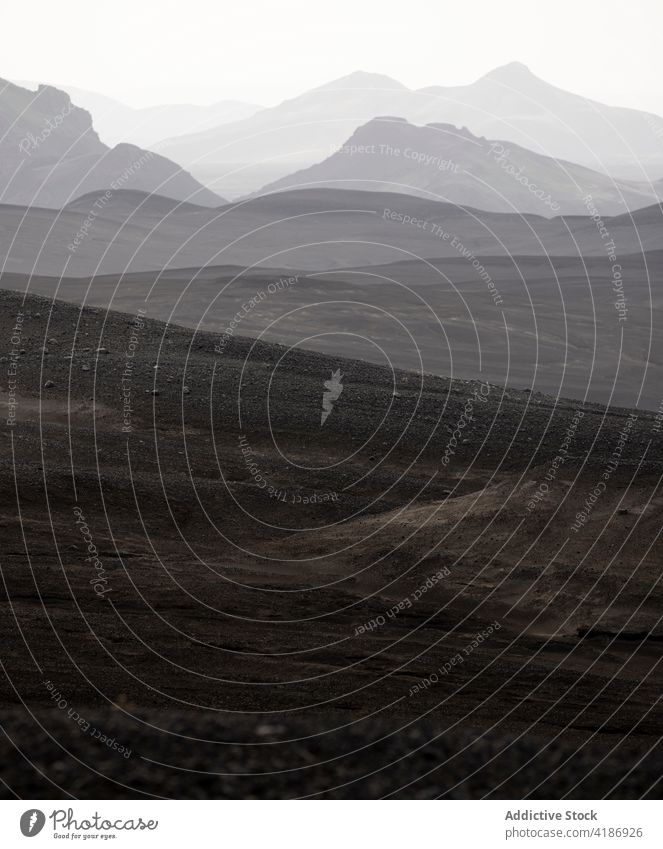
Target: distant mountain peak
column 51, row 97
column 514, row 73
column 363, row 80
column 390, row 119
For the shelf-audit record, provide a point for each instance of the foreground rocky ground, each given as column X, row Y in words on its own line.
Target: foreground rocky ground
column 446, row 588
column 281, row 759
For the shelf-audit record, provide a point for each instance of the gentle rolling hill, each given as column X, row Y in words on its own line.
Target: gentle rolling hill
column 551, row 326
column 302, row 230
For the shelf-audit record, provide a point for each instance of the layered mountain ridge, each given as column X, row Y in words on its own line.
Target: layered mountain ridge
column 509, row 103
column 50, row 153
column 442, row 162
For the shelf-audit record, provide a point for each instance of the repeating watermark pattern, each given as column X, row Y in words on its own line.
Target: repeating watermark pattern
column 247, row 308
column 611, row 251
column 238, row 679
column 582, row 516
column 479, row 395
column 658, row 419
column 97, row 207
column 456, row 660
column 137, row 325
column 405, row 604
column 12, row 369
column 288, row 497
column 100, row 580
column 86, row 727
column 556, row 463
column 501, row 155
column 467, row 254
column 285, row 496
column 31, row 143
column 439, row 232
column 406, row 218
column 655, row 126
column 333, row 390
column 130, row 170
column 427, row 160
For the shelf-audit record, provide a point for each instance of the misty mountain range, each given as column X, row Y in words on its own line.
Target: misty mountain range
column 508, row 142
column 364, row 189
column 441, row 162
column 50, row 153
column 509, row 103
column 115, row 122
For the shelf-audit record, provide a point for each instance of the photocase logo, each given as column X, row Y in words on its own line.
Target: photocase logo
column 32, row 823
column 333, row 389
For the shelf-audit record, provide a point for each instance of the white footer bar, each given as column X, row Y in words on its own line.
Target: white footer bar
column 332, row 824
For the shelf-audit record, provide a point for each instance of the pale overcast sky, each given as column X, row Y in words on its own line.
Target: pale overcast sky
column 266, row 50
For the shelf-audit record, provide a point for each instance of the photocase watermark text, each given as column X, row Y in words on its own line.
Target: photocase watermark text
column 100, row 580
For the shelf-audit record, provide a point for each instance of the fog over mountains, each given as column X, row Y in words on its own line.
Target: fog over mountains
column 507, row 142
column 115, row 122
column 51, row 153
column 386, row 197
column 442, row 162
column 509, row 103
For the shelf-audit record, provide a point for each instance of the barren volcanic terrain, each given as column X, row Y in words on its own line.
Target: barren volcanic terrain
column 129, row 231
column 210, row 588
column 556, row 325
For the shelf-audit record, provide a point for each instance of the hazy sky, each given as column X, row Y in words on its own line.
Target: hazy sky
column 266, row 50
